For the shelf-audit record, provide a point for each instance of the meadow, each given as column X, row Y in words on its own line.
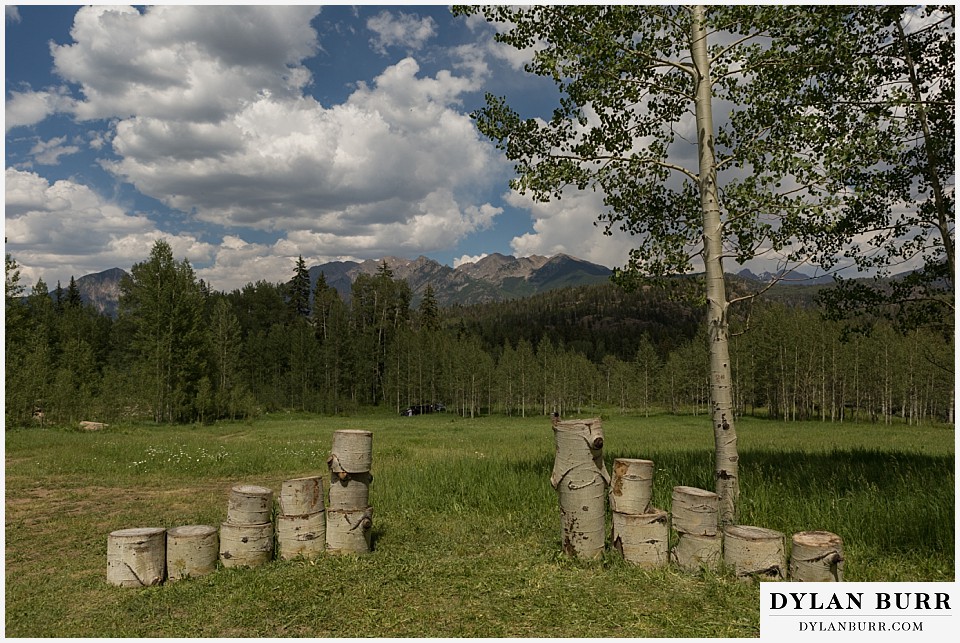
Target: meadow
column 466, row 526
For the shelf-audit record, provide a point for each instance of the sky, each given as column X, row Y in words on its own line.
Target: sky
column 247, row 136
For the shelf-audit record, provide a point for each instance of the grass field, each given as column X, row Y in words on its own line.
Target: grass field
column 466, row 534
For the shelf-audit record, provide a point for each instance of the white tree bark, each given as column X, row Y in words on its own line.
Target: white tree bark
column 348, row 532
column 755, row 552
column 303, row 535
column 816, row 556
column 695, row 511
column 642, row 538
column 246, row 545
column 250, row 505
column 632, row 486
column 136, row 557
column 192, row 551
column 580, row 478
column 351, row 492
column 301, row 496
column 694, row 551
column 352, row 451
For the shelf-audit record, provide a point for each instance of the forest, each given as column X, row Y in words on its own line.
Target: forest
column 180, row 352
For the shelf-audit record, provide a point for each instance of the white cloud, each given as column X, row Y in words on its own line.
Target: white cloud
column 401, row 30
column 11, row 13
column 30, row 107
column 468, row 259
column 49, row 152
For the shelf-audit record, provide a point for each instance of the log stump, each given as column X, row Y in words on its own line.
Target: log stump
column 695, row 511
column 632, row 486
column 351, row 492
column 642, row 539
column 348, row 532
column 250, row 505
column 755, row 552
column 136, row 557
column 694, row 551
column 352, row 452
column 301, row 496
column 580, row 478
column 301, row 535
column 246, row 545
column 191, row 551
column 816, row 556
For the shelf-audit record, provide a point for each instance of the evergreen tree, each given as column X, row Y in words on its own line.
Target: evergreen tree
column 298, row 297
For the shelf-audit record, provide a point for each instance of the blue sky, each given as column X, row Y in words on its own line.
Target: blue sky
column 249, row 135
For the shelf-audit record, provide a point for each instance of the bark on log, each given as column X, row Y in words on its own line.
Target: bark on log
column 816, row 556
column 580, row 478
column 86, row 425
column 301, row 496
column 301, row 535
column 755, row 551
column 136, row 557
column 350, row 493
column 642, row 538
column 632, row 486
column 694, row 551
column 192, row 551
column 348, row 532
column 246, row 545
column 250, row 505
column 352, row 451
column 695, row 511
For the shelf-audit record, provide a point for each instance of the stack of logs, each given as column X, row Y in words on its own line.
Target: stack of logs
column 641, row 533
column 301, row 519
column 350, row 517
column 246, row 538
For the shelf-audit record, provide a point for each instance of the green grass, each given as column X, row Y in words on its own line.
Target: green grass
column 466, row 531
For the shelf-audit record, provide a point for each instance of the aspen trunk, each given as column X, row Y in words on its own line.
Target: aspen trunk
column 816, row 556
column 136, row 557
column 726, row 464
column 694, row 551
column 350, row 493
column 695, row 511
column 191, row 551
column 642, row 538
column 348, row 532
column 301, row 496
column 246, row 545
column 580, row 478
column 301, row 535
column 632, row 486
column 352, row 452
column 755, row 551
column 250, row 505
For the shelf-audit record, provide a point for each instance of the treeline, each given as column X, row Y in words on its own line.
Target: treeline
column 179, row 352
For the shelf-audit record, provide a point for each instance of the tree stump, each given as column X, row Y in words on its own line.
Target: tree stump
column 348, row 532
column 351, row 492
column 642, row 539
column 695, row 511
column 246, row 545
column 632, row 486
column 580, row 478
column 816, row 556
column 191, row 551
column 352, row 452
column 301, row 496
column 755, row 551
column 250, row 505
column 694, row 551
column 136, row 557
column 301, row 535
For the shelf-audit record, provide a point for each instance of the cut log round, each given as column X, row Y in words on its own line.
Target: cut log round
column 695, row 511
column 755, row 552
column 352, row 451
column 301, row 496
column 191, row 551
column 250, row 505
column 348, row 532
column 301, row 535
column 694, row 551
column 136, row 557
column 580, row 478
column 632, row 485
column 816, row 556
column 246, row 545
column 350, row 492
column 642, row 539
column 87, row 425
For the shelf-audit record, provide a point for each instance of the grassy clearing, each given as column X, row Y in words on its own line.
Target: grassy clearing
column 466, row 526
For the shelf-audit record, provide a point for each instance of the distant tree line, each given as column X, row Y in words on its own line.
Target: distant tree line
column 180, row 352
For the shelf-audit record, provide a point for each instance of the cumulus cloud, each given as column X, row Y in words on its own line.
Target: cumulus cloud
column 29, row 107
column 400, row 30
column 49, row 152
column 468, row 259
column 55, row 230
